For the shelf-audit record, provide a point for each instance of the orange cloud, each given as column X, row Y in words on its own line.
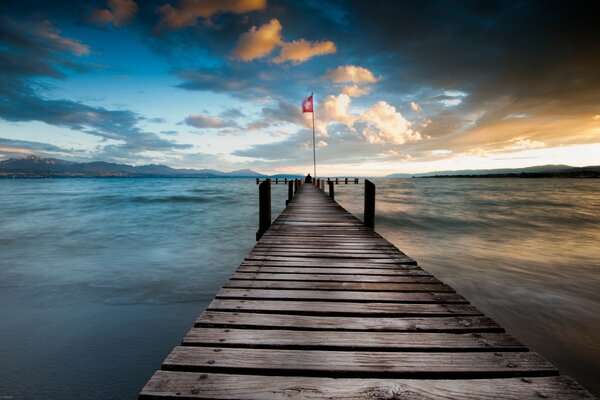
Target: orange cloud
column 355, row 90
column 257, row 43
column 51, row 37
column 14, row 150
column 119, row 13
column 302, row 50
column 190, row 10
column 351, row 73
column 383, row 124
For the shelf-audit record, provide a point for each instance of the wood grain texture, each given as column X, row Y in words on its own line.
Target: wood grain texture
column 332, row 270
column 342, row 308
column 330, row 295
column 308, row 322
column 352, row 341
column 354, row 286
column 358, row 363
column 332, row 278
column 185, row 385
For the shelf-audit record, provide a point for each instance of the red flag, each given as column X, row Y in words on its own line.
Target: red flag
column 307, row 104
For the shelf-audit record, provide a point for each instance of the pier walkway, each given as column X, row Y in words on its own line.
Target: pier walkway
column 324, row 307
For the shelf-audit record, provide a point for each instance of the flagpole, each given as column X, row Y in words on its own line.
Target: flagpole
column 314, row 151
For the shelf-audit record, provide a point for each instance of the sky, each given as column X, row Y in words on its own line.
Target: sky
column 399, row 86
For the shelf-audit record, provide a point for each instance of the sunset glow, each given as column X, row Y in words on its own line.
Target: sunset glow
column 399, row 87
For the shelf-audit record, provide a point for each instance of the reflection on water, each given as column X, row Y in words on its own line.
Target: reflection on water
column 525, row 251
column 100, row 278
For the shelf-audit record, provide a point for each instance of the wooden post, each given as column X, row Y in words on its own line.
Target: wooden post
column 369, row 219
column 323, row 185
column 331, row 192
column 337, row 180
column 290, row 192
column 295, row 185
column 276, row 181
column 356, row 181
column 264, row 208
column 257, row 181
column 285, row 180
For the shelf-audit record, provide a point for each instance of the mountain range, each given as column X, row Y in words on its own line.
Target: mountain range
column 540, row 170
column 39, row 167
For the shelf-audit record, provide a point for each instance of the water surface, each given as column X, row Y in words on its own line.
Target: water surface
column 100, row 278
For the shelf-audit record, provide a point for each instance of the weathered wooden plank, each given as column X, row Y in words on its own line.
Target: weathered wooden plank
column 352, row 341
column 327, row 295
column 168, row 385
column 332, row 271
column 332, row 263
column 324, row 260
column 354, row 286
column 382, row 324
column 378, row 253
column 342, row 308
column 333, row 278
column 358, row 364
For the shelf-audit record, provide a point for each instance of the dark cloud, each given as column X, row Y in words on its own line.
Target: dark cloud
column 28, row 145
column 35, row 48
column 204, row 121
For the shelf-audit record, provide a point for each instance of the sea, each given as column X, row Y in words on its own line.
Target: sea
column 101, row 278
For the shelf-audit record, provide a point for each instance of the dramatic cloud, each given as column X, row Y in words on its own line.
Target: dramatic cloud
column 351, row 73
column 383, row 124
column 408, row 81
column 188, row 11
column 119, row 13
column 38, row 36
column 38, row 50
column 260, row 42
column 302, row 50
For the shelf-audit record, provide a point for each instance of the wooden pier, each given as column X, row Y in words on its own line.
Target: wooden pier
column 325, row 308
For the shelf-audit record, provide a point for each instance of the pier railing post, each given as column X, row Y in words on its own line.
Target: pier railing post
column 331, row 191
column 264, row 208
column 290, row 192
column 295, row 185
column 369, row 219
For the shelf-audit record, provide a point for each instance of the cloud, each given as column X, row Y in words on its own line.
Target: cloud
column 351, row 73
column 355, row 90
column 38, row 36
column 118, row 13
column 260, row 42
column 13, row 147
column 336, row 108
column 189, row 11
column 210, row 122
column 416, row 107
column 38, row 50
column 383, row 124
column 302, row 50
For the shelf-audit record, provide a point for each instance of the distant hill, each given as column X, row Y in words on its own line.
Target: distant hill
column 536, row 171
column 38, row 167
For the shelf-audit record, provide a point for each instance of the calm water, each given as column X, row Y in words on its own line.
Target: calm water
column 100, row 278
